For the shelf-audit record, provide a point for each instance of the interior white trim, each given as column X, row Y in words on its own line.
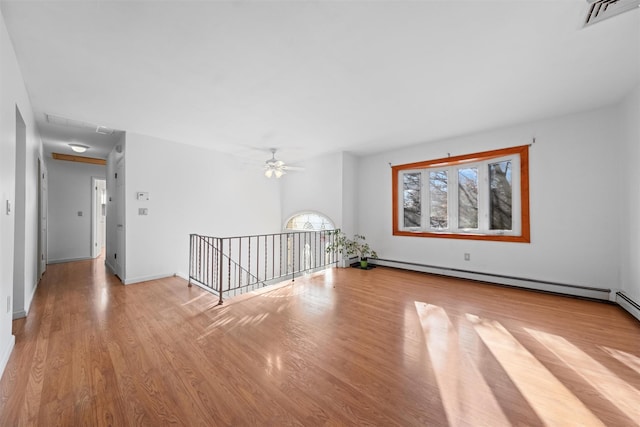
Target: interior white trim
column 60, row 261
column 519, row 282
column 626, row 302
column 7, row 353
column 147, row 278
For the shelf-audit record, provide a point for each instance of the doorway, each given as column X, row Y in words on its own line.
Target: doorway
column 42, row 218
column 98, row 217
column 20, row 219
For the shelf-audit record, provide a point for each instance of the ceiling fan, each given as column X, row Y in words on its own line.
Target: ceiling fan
column 277, row 168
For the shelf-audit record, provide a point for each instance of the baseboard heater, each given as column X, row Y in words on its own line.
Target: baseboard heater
column 520, row 282
column 628, row 304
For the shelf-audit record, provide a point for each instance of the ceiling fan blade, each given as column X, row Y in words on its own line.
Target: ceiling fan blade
column 292, row 168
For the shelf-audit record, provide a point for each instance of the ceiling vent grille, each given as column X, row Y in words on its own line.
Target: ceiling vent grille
column 102, row 130
column 599, row 10
column 63, row 121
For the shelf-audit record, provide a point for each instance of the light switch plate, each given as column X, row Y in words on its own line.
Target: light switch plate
column 8, row 207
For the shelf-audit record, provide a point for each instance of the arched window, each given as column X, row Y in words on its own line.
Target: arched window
column 309, row 221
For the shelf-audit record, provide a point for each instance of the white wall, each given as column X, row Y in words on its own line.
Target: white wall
column 318, row 188
column 629, row 157
column 573, row 195
column 191, row 190
column 350, row 188
column 69, row 235
column 14, row 94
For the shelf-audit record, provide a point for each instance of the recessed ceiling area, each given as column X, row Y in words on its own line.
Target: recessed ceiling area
column 59, row 134
column 316, row 77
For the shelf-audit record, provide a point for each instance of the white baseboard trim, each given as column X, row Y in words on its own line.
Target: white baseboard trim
column 4, row 359
column 626, row 302
column 110, row 267
column 534, row 284
column 28, row 305
column 146, row 278
column 60, row 261
column 19, row 314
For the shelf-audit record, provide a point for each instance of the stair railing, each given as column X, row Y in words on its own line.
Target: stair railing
column 230, row 266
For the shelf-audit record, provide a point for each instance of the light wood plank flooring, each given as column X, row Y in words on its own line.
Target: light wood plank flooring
column 345, row 347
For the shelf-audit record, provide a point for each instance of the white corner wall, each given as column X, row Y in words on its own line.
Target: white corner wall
column 191, row 190
column 573, row 195
column 318, row 188
column 14, row 94
column 629, row 160
column 69, row 235
column 350, row 188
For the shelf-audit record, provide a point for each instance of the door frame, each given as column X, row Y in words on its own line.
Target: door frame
column 95, row 213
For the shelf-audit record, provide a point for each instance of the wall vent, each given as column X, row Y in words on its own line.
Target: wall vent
column 104, row 130
column 599, row 10
column 63, row 121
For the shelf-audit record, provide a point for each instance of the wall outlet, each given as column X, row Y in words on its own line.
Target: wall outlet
column 143, row 211
column 467, row 256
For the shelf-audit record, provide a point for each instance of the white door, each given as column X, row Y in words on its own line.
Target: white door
column 120, row 219
column 42, row 212
column 99, row 198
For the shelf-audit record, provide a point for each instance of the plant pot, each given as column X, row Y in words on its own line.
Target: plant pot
column 364, row 264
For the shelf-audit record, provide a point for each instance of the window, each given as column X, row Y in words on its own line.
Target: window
column 481, row 196
column 309, row 221
column 305, row 225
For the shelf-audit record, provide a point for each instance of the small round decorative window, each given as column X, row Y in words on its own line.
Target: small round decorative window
column 309, row 221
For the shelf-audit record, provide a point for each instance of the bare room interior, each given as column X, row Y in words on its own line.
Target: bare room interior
column 320, row 213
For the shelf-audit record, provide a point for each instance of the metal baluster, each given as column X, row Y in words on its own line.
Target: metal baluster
column 219, row 253
column 191, row 239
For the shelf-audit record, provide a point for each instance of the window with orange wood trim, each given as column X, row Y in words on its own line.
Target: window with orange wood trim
column 479, row 196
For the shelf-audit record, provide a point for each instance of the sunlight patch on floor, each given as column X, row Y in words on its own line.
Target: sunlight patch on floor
column 466, row 397
column 630, row 360
column 616, row 390
column 552, row 401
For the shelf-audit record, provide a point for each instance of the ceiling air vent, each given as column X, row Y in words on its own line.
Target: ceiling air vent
column 599, row 10
column 104, row 130
column 63, row 121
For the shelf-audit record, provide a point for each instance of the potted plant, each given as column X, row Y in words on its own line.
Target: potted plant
column 344, row 246
column 359, row 247
column 338, row 244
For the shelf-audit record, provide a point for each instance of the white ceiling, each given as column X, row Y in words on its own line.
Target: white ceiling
column 314, row 77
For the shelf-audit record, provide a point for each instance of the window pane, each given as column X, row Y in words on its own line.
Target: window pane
column 438, row 199
column 468, row 198
column 500, row 200
column 411, row 184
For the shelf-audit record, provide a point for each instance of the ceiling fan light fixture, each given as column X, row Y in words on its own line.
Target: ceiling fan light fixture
column 279, row 173
column 268, row 173
column 78, row 148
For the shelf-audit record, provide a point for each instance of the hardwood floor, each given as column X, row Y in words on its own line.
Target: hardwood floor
column 346, row 347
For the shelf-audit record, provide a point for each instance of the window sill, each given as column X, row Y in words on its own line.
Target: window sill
column 466, row 236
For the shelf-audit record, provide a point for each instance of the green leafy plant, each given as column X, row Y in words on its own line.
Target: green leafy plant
column 357, row 246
